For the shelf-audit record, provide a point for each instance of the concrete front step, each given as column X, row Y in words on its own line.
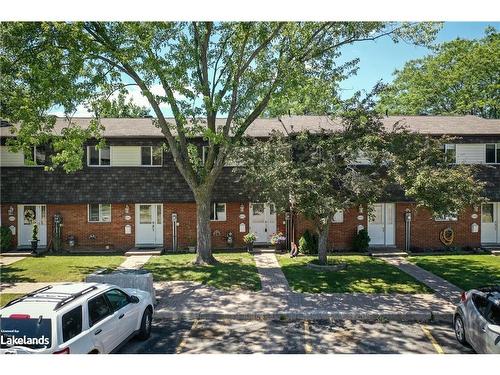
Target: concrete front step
column 495, row 252
column 17, row 254
column 389, row 254
column 139, row 251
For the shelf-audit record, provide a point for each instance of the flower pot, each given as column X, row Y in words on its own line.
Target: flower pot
column 250, row 247
column 34, row 245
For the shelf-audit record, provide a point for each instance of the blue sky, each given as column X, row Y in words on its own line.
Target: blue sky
column 379, row 59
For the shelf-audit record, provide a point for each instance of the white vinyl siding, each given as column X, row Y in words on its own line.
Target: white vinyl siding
column 125, row 156
column 473, row 153
column 11, row 159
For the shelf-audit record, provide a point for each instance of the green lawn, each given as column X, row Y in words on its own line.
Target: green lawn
column 235, row 270
column 465, row 271
column 6, row 297
column 362, row 275
column 57, row 268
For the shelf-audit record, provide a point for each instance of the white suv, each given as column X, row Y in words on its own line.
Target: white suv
column 75, row 318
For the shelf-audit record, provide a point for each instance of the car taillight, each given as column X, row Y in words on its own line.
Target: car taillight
column 463, row 297
column 19, row 316
column 64, row 351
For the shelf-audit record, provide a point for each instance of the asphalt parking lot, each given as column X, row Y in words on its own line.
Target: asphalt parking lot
column 296, row 337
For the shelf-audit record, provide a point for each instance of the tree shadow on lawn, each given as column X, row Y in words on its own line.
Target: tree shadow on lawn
column 32, row 271
column 466, row 272
column 361, row 276
column 228, row 274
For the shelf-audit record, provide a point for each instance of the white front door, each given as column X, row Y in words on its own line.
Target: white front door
column 263, row 221
column 149, row 224
column 490, row 222
column 381, row 226
column 27, row 216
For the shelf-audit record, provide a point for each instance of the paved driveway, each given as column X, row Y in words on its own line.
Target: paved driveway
column 233, row 336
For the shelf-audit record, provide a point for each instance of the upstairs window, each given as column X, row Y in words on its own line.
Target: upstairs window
column 37, row 155
column 218, row 212
column 98, row 157
column 450, row 151
column 151, row 155
column 492, row 153
column 99, row 213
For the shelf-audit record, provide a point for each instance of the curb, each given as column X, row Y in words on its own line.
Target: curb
column 426, row 316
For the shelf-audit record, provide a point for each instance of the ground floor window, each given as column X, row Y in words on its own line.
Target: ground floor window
column 449, row 217
column 99, row 213
column 218, row 212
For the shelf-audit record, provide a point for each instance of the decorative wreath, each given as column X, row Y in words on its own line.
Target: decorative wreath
column 447, row 236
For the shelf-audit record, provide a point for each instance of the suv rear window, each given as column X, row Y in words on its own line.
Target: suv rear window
column 72, row 323
column 481, row 303
column 34, row 333
column 493, row 315
column 98, row 309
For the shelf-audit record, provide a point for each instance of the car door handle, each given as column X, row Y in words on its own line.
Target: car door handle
column 97, row 332
column 121, row 316
column 483, row 328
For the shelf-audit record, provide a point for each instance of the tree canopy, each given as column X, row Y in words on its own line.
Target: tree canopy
column 317, row 173
column 197, row 71
column 461, row 77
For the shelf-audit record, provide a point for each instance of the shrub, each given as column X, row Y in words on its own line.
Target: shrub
column 308, row 243
column 5, row 238
column 249, row 238
column 361, row 241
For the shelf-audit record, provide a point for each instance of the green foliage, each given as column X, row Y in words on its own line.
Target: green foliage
column 120, row 108
column 6, row 238
column 361, row 241
column 308, row 243
column 461, row 77
column 34, row 232
column 249, row 238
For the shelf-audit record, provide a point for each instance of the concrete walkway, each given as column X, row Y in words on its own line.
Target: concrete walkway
column 442, row 287
column 271, row 277
column 5, row 261
column 135, row 261
column 191, row 300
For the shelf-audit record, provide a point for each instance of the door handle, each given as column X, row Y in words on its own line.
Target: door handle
column 483, row 328
column 121, row 316
column 97, row 332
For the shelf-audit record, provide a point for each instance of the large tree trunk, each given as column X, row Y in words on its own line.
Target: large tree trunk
column 323, row 242
column 204, row 255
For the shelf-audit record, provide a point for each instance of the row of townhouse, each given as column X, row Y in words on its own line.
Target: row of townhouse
column 130, row 193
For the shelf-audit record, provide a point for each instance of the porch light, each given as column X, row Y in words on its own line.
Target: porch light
column 242, row 208
column 127, row 209
column 11, row 211
column 360, row 209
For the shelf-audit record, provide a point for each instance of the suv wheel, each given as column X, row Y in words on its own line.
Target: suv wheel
column 460, row 330
column 145, row 330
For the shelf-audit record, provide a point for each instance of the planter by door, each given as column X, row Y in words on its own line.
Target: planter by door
column 149, row 224
column 262, row 221
column 27, row 213
column 381, row 227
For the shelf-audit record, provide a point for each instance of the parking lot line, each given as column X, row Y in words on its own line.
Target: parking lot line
column 433, row 341
column 184, row 337
column 307, row 338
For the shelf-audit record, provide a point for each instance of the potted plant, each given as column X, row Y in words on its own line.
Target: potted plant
column 249, row 239
column 279, row 241
column 34, row 238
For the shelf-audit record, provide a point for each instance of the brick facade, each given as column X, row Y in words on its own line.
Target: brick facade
column 111, row 236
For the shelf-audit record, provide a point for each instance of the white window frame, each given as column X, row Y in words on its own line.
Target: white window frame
column 100, row 213
column 449, row 217
column 151, row 157
column 338, row 217
column 99, row 165
column 214, row 207
column 497, row 147
column 34, row 159
column 450, row 146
